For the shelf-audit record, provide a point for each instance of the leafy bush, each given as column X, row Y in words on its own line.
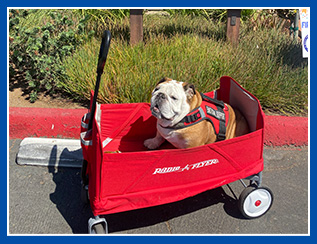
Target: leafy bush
column 49, row 48
column 36, row 52
column 266, row 62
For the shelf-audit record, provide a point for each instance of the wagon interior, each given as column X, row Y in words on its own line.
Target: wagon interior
column 124, row 127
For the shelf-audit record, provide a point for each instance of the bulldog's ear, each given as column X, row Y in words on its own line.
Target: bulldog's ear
column 189, row 90
column 163, row 80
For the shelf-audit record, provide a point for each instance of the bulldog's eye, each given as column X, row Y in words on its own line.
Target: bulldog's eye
column 174, row 98
column 156, row 89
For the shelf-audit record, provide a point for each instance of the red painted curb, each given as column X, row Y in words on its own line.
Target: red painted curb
column 45, row 122
column 283, row 130
column 65, row 123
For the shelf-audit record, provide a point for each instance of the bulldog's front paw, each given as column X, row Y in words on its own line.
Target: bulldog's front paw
column 152, row 143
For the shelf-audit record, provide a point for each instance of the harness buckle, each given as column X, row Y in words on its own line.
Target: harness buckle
column 221, row 136
column 192, row 118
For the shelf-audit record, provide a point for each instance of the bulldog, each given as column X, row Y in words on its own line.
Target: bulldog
column 187, row 118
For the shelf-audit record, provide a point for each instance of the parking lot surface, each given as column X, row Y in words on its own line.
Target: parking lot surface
column 46, row 200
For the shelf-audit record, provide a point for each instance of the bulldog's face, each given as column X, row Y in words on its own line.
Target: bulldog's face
column 170, row 101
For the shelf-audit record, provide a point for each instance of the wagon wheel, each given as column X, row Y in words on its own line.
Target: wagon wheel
column 255, row 201
column 97, row 225
column 98, row 229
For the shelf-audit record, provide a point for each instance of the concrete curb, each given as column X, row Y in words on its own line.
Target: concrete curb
column 50, row 152
column 65, row 123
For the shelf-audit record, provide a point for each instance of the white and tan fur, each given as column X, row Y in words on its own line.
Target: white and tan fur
column 171, row 101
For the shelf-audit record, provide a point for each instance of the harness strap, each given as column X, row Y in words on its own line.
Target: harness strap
column 198, row 114
column 222, row 126
column 214, row 101
column 220, row 115
column 222, row 121
column 192, row 118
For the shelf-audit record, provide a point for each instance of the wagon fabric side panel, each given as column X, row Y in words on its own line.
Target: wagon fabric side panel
column 124, row 126
column 144, row 179
column 95, row 156
column 234, row 94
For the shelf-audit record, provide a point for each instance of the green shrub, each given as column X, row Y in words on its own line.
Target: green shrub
column 36, row 52
column 265, row 62
column 50, row 48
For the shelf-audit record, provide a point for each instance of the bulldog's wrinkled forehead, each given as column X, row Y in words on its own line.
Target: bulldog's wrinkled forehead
column 170, row 85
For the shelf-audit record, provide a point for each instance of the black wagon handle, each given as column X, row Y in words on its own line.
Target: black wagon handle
column 103, row 53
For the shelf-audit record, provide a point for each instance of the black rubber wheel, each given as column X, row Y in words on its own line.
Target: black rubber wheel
column 99, row 229
column 255, row 201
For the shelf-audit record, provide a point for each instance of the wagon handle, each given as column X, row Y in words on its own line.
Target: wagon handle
column 103, row 53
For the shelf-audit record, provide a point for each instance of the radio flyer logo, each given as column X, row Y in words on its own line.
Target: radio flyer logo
column 188, row 167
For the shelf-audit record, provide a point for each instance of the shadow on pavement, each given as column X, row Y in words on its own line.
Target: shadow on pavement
column 154, row 215
column 66, row 196
column 67, row 199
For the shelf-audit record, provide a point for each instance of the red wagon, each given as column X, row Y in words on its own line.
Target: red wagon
column 123, row 175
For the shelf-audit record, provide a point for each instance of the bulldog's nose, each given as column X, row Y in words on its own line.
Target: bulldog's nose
column 161, row 95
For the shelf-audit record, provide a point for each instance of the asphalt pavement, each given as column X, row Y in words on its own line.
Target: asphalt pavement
column 46, row 200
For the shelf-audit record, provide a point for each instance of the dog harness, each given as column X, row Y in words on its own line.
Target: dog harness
column 213, row 110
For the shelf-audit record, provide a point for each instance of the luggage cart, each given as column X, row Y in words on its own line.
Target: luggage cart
column 119, row 174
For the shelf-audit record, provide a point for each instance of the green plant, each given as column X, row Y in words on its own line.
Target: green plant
column 36, row 52
column 104, row 15
column 266, row 62
column 54, row 50
column 101, row 19
column 219, row 15
column 155, row 26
